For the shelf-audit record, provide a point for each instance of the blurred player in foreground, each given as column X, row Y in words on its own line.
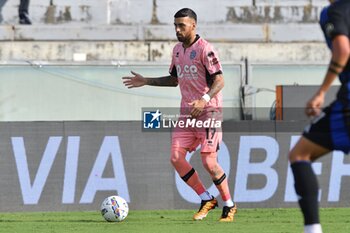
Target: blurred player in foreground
column 196, row 69
column 330, row 128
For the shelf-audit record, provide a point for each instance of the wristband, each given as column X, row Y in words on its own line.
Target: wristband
column 336, row 64
column 206, row 97
column 333, row 71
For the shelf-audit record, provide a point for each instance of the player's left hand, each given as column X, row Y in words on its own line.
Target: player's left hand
column 198, row 106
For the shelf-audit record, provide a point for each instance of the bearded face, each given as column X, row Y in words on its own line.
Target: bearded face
column 184, row 28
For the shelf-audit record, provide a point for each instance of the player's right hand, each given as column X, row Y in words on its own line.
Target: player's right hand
column 314, row 105
column 134, row 81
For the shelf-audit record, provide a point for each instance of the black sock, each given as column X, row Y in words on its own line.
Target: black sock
column 306, row 187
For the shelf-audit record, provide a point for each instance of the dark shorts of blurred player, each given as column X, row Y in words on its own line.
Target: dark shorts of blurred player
column 331, row 129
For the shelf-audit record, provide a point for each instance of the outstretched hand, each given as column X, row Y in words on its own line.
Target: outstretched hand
column 134, row 81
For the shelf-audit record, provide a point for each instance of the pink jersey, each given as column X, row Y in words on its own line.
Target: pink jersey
column 193, row 68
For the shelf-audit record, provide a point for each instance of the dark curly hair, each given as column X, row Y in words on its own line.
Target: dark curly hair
column 186, row 12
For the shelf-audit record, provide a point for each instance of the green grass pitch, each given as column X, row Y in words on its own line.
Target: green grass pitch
column 171, row 221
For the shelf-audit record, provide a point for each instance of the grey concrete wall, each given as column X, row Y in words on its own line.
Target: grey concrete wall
column 162, row 11
column 142, row 30
column 141, row 51
column 261, row 33
column 242, row 20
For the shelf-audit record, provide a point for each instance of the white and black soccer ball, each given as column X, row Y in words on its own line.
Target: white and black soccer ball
column 114, row 209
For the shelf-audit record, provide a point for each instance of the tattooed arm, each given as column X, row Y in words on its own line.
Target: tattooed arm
column 198, row 105
column 217, row 85
column 138, row 81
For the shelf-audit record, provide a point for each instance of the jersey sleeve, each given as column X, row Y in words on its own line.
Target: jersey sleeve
column 323, row 23
column 337, row 23
column 172, row 68
column 211, row 60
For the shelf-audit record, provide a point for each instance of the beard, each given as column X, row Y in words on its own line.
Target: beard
column 180, row 38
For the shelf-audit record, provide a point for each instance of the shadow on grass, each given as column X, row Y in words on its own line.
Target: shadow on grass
column 51, row 220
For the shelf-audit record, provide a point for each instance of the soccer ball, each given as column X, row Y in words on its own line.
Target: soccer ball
column 114, row 209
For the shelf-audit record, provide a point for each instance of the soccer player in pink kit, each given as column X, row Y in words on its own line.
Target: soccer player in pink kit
column 196, row 69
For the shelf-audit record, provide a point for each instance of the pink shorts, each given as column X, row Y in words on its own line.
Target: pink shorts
column 190, row 137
